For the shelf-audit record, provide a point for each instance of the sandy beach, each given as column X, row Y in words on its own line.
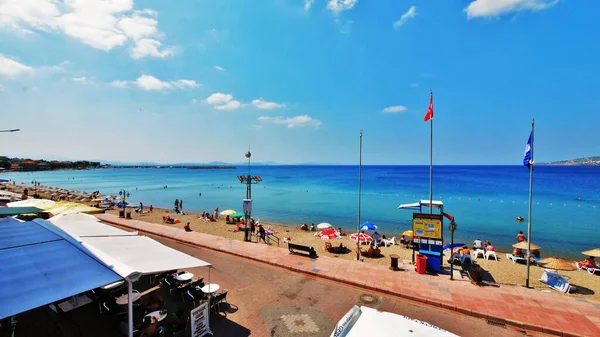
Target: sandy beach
column 502, row 272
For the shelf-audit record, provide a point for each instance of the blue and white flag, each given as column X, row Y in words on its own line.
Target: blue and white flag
column 528, row 159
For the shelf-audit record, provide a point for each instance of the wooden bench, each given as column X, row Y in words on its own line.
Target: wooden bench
column 310, row 250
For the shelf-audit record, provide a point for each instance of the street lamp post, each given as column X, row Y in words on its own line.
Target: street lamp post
column 248, row 180
column 36, row 184
column 124, row 195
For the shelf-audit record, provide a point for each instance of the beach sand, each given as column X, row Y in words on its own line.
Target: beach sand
column 502, row 272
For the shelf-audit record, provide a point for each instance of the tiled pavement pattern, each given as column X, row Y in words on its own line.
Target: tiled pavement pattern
column 512, row 305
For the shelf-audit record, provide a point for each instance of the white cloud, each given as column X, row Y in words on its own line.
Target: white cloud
column 265, row 105
column 119, row 84
column 11, row 68
column 492, row 8
column 82, row 80
column 338, row 6
column 231, row 105
column 220, row 68
column 409, row 14
column 148, row 82
column 221, row 101
column 219, row 98
column 102, row 24
column 292, row 122
column 307, row 4
column 394, row 109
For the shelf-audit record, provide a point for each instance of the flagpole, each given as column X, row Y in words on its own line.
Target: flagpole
column 359, row 194
column 530, row 204
column 431, row 162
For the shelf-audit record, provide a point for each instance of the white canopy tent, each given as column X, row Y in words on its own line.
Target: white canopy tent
column 360, row 321
column 126, row 253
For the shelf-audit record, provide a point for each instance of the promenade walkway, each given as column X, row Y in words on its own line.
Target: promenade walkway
column 518, row 307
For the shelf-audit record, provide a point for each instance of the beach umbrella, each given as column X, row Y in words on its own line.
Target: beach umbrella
column 328, row 234
column 523, row 245
column 361, row 236
column 324, row 225
column 228, row 212
column 593, row 252
column 408, row 233
column 557, row 264
column 237, row 215
column 97, row 200
column 367, row 226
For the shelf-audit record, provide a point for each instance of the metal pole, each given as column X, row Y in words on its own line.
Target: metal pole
column 431, row 161
column 129, row 308
column 248, row 196
column 359, row 195
column 530, row 205
column 451, row 259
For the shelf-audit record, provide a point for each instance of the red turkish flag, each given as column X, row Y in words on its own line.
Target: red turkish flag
column 429, row 114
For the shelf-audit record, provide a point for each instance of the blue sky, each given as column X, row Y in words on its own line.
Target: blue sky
column 199, row 81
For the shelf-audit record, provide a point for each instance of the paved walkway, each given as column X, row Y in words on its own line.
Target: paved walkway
column 519, row 307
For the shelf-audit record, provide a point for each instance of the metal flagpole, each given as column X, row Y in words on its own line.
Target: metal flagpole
column 431, row 160
column 359, row 194
column 530, row 204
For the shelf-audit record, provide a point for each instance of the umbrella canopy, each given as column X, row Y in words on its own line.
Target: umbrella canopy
column 361, row 236
column 324, row 225
column 367, row 226
column 523, row 245
column 328, row 234
column 593, row 252
column 97, row 200
column 408, row 233
column 237, row 215
column 557, row 264
column 228, row 212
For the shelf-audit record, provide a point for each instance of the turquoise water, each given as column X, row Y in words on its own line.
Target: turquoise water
column 484, row 199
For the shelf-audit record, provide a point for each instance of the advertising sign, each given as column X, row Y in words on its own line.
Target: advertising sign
column 199, row 319
column 427, row 226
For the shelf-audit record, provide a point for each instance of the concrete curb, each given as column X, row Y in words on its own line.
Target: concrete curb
column 515, row 325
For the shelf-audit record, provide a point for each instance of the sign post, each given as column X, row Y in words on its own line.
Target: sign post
column 452, row 228
column 428, row 234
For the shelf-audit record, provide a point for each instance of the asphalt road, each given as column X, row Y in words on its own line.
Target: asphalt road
column 271, row 301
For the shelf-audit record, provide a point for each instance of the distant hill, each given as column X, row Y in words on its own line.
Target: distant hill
column 577, row 162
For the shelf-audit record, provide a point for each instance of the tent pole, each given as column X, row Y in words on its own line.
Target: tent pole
column 130, row 308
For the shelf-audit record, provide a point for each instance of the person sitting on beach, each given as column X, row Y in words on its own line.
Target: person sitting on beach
column 312, row 228
column 170, row 220
column 304, row 227
column 151, row 208
column 517, row 252
column 187, row 227
column 589, row 262
column 477, row 244
column 489, row 247
column 340, row 231
column 227, row 220
column 520, row 237
column 486, row 244
column 212, row 218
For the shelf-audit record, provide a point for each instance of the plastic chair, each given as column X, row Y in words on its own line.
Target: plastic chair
column 491, row 253
column 477, row 252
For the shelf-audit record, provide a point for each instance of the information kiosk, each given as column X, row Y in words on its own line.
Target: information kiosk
column 428, row 232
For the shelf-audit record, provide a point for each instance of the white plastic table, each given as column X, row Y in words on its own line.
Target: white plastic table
column 210, row 288
column 156, row 314
column 185, row 276
column 123, row 299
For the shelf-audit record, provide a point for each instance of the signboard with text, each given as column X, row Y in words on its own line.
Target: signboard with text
column 427, row 226
column 199, row 319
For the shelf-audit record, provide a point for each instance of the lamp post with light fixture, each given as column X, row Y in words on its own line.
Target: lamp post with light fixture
column 247, row 203
column 124, row 195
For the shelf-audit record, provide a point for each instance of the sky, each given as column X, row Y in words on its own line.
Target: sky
column 200, row 81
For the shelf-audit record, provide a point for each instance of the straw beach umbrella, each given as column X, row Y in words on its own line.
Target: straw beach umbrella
column 227, row 212
column 523, row 245
column 593, row 252
column 324, row 225
column 557, row 264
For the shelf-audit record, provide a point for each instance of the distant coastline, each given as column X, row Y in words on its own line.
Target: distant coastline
column 190, row 167
column 584, row 161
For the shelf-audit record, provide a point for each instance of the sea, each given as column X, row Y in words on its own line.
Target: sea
column 485, row 200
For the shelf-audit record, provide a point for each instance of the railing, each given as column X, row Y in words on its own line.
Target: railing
column 272, row 237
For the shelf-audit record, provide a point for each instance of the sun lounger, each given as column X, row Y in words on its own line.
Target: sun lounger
column 556, row 282
column 591, row 270
column 515, row 259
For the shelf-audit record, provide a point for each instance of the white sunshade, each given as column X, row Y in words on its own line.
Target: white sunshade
column 133, row 256
column 422, row 203
column 359, row 322
column 39, row 203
